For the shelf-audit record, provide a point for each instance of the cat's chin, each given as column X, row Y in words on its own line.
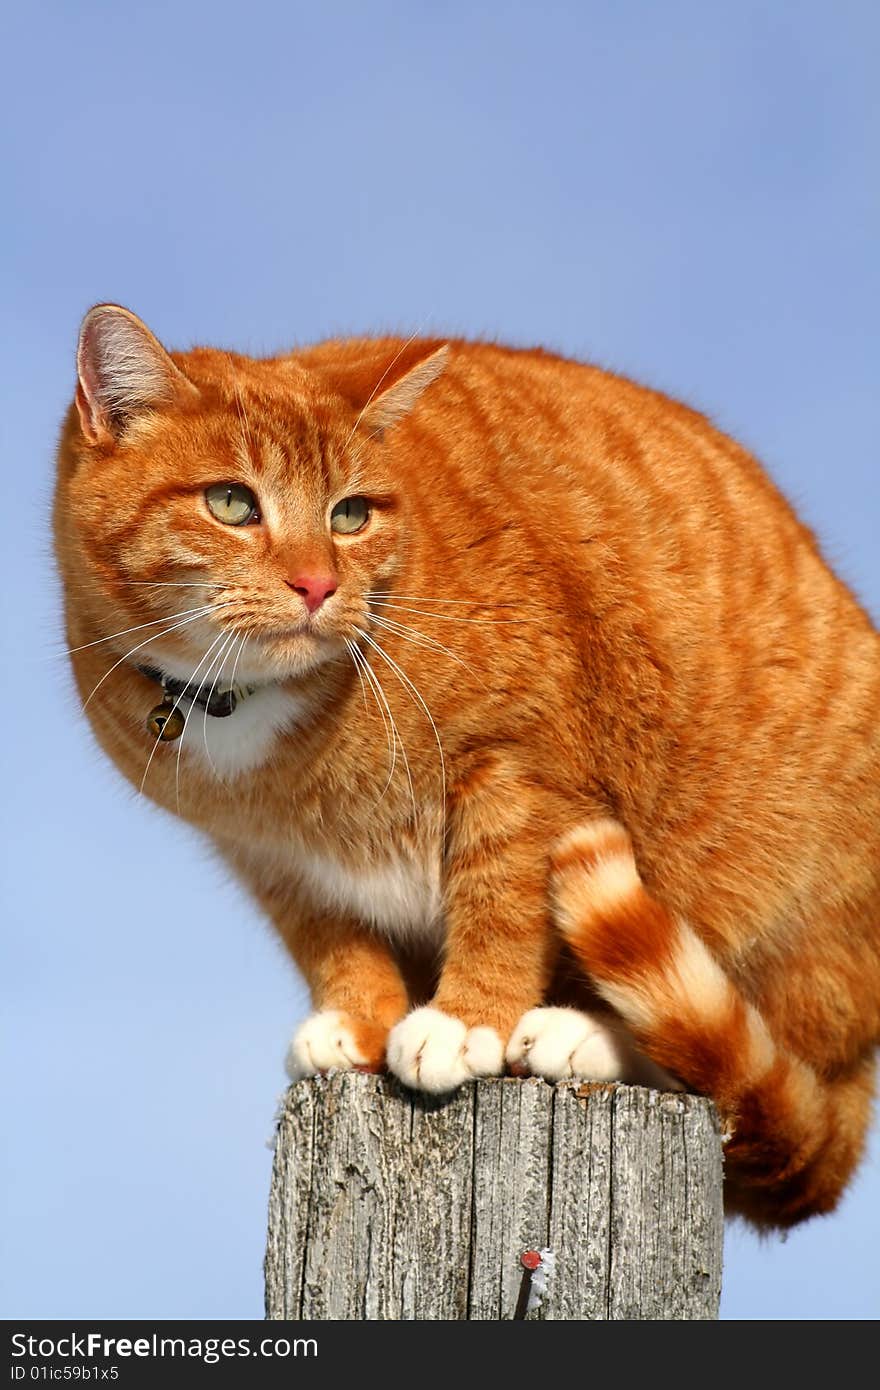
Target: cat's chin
column 263, row 661
column 280, row 659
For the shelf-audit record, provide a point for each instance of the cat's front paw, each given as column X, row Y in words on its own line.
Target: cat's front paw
column 558, row 1043
column 432, row 1051
column 332, row 1041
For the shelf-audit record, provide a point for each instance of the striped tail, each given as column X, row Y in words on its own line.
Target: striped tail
column 792, row 1138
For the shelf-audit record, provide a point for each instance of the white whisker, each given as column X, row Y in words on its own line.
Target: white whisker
column 139, row 627
column 201, row 613
column 357, row 668
column 361, row 662
column 452, row 618
column 395, row 735
column 466, row 602
column 186, row 717
column 224, row 652
column 241, row 648
column 170, row 584
column 418, row 639
column 90, row 588
column 404, row 678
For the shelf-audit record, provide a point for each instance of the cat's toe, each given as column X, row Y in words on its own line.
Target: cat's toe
column 325, row 1042
column 559, row 1043
column 432, row 1051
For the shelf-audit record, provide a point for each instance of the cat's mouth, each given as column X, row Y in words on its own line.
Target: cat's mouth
column 287, row 652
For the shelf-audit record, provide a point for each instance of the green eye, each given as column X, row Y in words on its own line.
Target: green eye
column 232, row 503
column 350, row 515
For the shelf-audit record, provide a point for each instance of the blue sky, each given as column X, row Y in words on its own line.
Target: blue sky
column 684, row 192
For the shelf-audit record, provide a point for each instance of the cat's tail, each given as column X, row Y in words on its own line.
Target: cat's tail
column 793, row 1139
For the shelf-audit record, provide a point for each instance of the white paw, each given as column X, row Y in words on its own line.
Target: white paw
column 431, row 1051
column 556, row 1043
column 323, row 1043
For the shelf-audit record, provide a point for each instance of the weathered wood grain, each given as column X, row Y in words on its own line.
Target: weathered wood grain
column 391, row 1205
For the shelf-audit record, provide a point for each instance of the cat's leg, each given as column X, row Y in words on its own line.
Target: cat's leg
column 500, row 944
column 793, row 1138
column 358, row 994
column 357, row 990
column 335, row 1040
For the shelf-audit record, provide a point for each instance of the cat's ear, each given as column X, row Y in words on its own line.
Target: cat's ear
column 122, row 371
column 391, row 403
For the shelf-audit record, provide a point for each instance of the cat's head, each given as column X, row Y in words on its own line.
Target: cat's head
column 233, row 497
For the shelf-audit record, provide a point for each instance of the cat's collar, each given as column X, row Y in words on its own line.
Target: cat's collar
column 218, row 701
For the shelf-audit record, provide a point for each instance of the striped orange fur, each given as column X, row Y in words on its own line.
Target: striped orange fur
column 578, row 717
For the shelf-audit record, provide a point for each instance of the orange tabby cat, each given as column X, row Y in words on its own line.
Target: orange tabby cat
column 522, row 703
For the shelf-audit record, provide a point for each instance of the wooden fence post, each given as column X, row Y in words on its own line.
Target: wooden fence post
column 386, row 1204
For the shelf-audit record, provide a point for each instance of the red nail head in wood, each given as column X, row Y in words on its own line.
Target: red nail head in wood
column 530, row 1259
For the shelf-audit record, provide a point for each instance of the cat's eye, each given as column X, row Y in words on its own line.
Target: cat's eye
column 350, row 515
column 232, row 503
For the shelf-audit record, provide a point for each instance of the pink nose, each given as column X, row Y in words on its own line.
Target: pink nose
column 313, row 589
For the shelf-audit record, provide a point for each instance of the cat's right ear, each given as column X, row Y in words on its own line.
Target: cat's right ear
column 122, row 370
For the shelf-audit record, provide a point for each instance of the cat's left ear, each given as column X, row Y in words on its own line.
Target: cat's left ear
column 123, row 371
column 391, row 404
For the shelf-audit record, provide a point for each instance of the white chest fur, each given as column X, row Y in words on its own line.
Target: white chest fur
column 243, row 740
column 401, row 896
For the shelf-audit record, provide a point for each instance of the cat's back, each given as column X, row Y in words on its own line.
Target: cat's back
column 593, row 465
column 615, row 462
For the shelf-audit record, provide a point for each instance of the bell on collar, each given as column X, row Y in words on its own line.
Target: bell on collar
column 166, row 722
